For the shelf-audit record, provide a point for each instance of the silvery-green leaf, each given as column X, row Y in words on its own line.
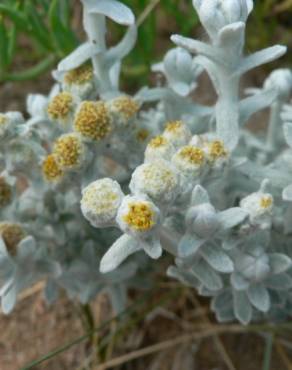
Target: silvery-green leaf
column 242, row 307
column 255, row 103
column 232, row 217
column 287, row 193
column 259, row 297
column 121, row 50
column 153, row 248
column 79, row 56
column 288, row 133
column 151, row 95
column 232, row 36
column 183, row 276
column 8, row 300
column 51, row 291
column 259, row 58
column 189, row 245
column 238, row 281
column 112, row 9
column 225, row 315
column 26, row 247
column 199, row 196
column 279, row 282
column 222, row 301
column 217, row 258
column 207, row 276
column 198, row 47
column 118, row 297
column 3, row 249
column 118, row 252
column 279, row 262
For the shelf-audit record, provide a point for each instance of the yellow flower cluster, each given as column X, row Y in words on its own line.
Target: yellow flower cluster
column 79, row 76
column 12, row 234
column 60, row 106
column 140, row 216
column 192, row 154
column 69, row 151
column 51, row 170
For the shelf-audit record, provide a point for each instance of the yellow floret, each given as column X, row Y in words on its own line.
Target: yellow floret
column 140, row 216
column 79, row 76
column 3, row 119
column 173, row 126
column 157, row 142
column 125, row 105
column 142, row 135
column 217, row 150
column 68, row 151
column 12, row 234
column 60, row 106
column 266, row 202
column 5, row 193
column 192, row 154
column 92, row 120
column 51, row 169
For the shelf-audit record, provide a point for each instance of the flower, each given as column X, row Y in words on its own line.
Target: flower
column 79, row 81
column 189, row 160
column 158, row 180
column 61, row 107
column 159, row 148
column 12, row 234
column 259, row 206
column 123, row 109
column 93, row 121
column 52, row 172
column 177, row 133
column 100, row 202
column 138, row 216
column 69, row 151
column 217, row 154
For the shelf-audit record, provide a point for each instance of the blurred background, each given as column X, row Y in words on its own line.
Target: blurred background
column 34, row 36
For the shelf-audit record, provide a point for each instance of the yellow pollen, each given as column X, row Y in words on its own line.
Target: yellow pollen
column 173, row 126
column 51, row 169
column 127, row 106
column 192, row 154
column 142, row 134
column 157, row 142
column 266, row 202
column 217, row 150
column 5, row 193
column 60, row 106
column 3, row 119
column 12, row 234
column 92, row 120
column 68, row 150
column 140, row 217
column 79, row 76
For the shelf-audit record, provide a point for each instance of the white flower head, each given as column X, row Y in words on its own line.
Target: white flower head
column 8, row 121
column 281, row 80
column 123, row 109
column 159, row 148
column 259, row 205
column 216, row 14
column 189, row 161
column 100, row 202
column 61, row 108
column 138, row 216
column 79, row 81
column 159, row 180
column 177, row 133
column 69, row 151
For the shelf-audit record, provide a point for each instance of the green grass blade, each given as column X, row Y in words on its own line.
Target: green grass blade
column 268, row 352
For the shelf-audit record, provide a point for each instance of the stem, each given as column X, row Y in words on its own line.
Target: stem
column 274, row 124
column 95, row 27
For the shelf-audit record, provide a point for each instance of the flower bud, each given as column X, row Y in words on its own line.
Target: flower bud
column 189, row 160
column 202, row 220
column 12, row 234
column 216, row 14
column 177, row 133
column 123, row 109
column 100, row 202
column 159, row 148
column 158, row 180
column 281, row 81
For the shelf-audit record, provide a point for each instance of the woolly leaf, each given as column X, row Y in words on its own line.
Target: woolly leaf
column 189, row 244
column 242, row 307
column 287, row 193
column 207, row 276
column 279, row 263
column 259, row 297
column 217, row 258
column 232, row 217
